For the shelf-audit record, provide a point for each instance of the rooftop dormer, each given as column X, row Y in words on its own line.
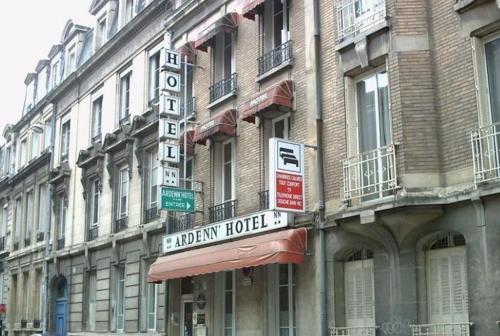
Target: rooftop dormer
column 29, row 99
column 56, row 61
column 73, row 40
column 106, row 14
column 42, row 72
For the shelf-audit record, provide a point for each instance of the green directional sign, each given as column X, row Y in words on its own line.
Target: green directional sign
column 175, row 199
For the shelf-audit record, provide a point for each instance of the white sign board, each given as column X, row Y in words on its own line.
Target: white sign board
column 229, row 229
column 172, row 81
column 172, row 60
column 169, row 176
column 169, row 105
column 168, row 129
column 169, row 152
column 286, row 175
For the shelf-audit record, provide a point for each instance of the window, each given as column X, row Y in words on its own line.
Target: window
column 152, row 189
column 25, row 289
column 186, row 94
column 41, row 87
column 35, row 144
column 65, row 129
column 286, row 300
column 61, row 218
column 55, row 75
column 356, row 16
column 101, row 32
column 222, row 57
column 30, row 95
column 71, row 60
column 152, row 305
column 275, row 21
column 94, row 203
column 229, row 303
column 23, row 153
column 492, row 53
column 154, row 77
column 96, row 119
column 189, row 172
column 2, row 283
column 227, row 171
column 92, row 288
column 47, row 134
column 123, row 195
column 281, row 127
column 120, row 297
column 4, row 220
column 19, row 216
column 128, row 13
column 29, row 217
column 37, row 304
column 124, row 111
column 43, row 208
column 6, row 163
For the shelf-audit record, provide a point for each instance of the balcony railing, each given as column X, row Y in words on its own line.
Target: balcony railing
column 27, row 241
column 356, row 16
column 93, row 233
column 24, row 324
column 2, row 243
column 222, row 211
column 190, row 109
column 37, row 324
column 370, row 175
column 280, row 55
column 60, row 243
column 486, row 153
column 223, row 88
column 353, row 331
column 121, row 224
column 40, row 236
column 15, row 245
column 150, row 214
column 264, row 199
column 441, row 329
column 179, row 224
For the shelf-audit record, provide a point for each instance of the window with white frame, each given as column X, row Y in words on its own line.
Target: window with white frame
column 65, row 134
column 281, row 127
column 92, row 300
column 43, row 207
column 37, row 304
column 120, row 298
column 228, row 188
column 94, row 203
column 229, row 304
column 128, row 11
column 285, row 299
column 123, row 192
column 41, row 88
column 152, row 185
column 2, row 283
column 30, row 96
column 18, row 219
column 275, row 24
column 492, row 58
column 47, row 134
column 55, row 74
column 23, row 153
column 71, row 60
column 96, row 119
column 151, row 305
column 61, row 218
column 24, row 295
column 357, row 16
column 29, row 216
column 124, row 108
column 35, row 144
column 4, row 221
column 222, row 57
column 359, row 289
column 154, row 75
column 101, row 31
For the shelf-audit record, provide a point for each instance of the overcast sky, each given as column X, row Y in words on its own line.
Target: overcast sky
column 28, row 29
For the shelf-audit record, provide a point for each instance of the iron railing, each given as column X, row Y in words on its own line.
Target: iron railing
column 190, row 109
column 37, row 324
column 264, row 199
column 60, row 243
column 151, row 213
column 222, row 211
column 24, row 324
column 121, row 224
column 356, row 16
column 2, row 243
column 371, row 174
column 486, row 153
column 276, row 57
column 40, row 236
column 353, row 331
column 27, row 241
column 441, row 329
column 223, row 87
column 179, row 224
column 93, row 233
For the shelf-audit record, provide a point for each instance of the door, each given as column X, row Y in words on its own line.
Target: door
column 186, row 315
column 61, row 317
column 359, row 293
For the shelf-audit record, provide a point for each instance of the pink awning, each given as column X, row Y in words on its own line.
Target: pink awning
column 228, row 23
column 249, row 8
column 223, row 123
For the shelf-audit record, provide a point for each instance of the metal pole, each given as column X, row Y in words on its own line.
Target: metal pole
column 185, row 120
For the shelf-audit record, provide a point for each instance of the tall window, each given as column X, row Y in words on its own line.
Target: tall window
column 47, row 136
column 29, row 217
column 4, row 220
column 153, row 163
column 61, row 218
column 128, row 13
column 55, row 75
column 359, row 289
column 96, row 119
column 229, row 304
column 92, row 288
column 275, row 21
column 35, row 144
column 25, row 306
column 492, row 52
column 19, row 216
column 71, row 60
column 123, row 192
column 65, row 129
column 94, row 204
column 43, row 208
column 222, row 57
column 124, row 112
column 120, row 298
column 152, row 305
column 281, row 127
column 37, row 304
column 154, row 77
column 23, row 153
column 227, row 171
column 2, row 283
column 101, row 31
column 286, row 300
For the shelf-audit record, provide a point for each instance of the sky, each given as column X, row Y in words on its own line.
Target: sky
column 28, row 29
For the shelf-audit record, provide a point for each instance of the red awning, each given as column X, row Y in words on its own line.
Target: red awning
column 281, row 247
column 279, row 96
column 187, row 49
column 228, row 23
column 223, row 123
column 250, row 7
column 189, row 142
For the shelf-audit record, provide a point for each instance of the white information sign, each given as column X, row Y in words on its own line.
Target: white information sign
column 229, row 229
column 168, row 129
column 169, row 176
column 172, row 81
column 169, row 152
column 169, row 105
column 172, row 59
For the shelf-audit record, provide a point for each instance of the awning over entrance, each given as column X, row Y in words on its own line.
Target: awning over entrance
column 279, row 97
column 223, row 123
column 189, row 141
column 187, row 49
column 228, row 23
column 249, row 8
column 280, row 247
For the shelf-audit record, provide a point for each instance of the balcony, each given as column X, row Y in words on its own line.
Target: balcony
column 37, row 324
column 179, row 224
column 2, row 243
column 223, row 88
column 357, row 16
column 441, row 329
column 121, row 224
column 151, row 214
column 281, row 55
column 222, row 211
column 353, row 331
column 60, row 243
column 485, row 153
column 40, row 236
column 24, row 324
column 370, row 175
column 264, row 200
column 27, row 241
column 93, row 233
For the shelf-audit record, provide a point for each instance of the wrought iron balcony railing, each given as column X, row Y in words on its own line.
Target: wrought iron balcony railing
column 24, row 324
column 37, row 324
column 280, row 55
column 2, row 243
column 264, row 199
column 93, row 233
column 485, row 143
column 222, row 211
column 223, row 88
column 60, row 243
column 353, row 331
column 441, row 329
column 356, row 16
column 151, row 213
column 190, row 109
column 27, row 241
column 179, row 224
column 371, row 174
column 121, row 224
column 40, row 236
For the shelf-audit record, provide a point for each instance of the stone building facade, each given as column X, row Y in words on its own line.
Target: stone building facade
column 396, row 102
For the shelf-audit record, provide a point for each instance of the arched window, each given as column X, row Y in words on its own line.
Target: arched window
column 446, row 277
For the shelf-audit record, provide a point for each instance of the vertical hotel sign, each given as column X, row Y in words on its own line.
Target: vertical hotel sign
column 286, row 175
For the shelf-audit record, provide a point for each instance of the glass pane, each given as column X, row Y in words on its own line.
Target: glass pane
column 229, row 280
column 279, row 129
column 227, row 55
column 278, row 22
column 366, row 91
column 284, row 307
column 188, row 319
column 492, row 51
column 383, row 106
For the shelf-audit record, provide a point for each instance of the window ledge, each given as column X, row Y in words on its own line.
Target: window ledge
column 274, row 71
column 462, row 6
column 351, row 41
column 222, row 99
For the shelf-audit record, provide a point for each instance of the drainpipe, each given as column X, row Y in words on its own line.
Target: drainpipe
column 47, row 227
column 320, row 174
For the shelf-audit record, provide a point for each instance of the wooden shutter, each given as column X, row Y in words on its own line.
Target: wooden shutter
column 359, row 293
